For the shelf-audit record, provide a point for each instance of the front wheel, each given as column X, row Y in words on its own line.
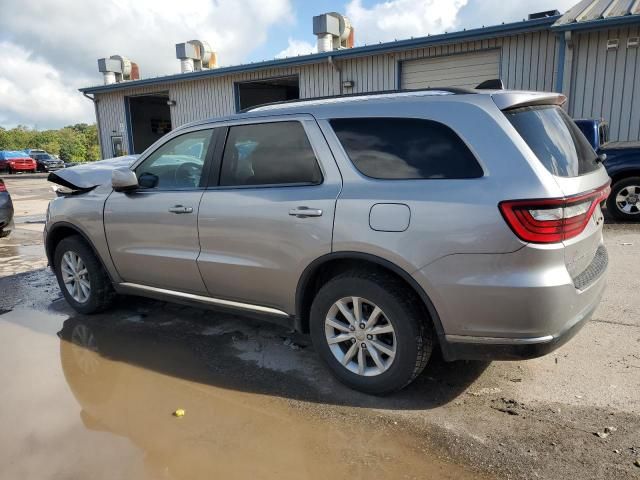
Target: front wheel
column 624, row 201
column 371, row 331
column 82, row 279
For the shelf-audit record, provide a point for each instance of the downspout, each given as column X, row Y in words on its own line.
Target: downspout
column 337, row 69
column 95, row 107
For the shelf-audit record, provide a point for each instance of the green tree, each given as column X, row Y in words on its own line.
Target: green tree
column 72, row 146
column 73, row 143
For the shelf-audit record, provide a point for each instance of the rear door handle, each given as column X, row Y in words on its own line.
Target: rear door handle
column 180, row 209
column 302, row 212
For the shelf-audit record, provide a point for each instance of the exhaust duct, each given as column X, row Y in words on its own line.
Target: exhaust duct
column 334, row 32
column 117, row 68
column 195, row 55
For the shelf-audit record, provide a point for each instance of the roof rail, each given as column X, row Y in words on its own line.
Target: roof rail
column 454, row 90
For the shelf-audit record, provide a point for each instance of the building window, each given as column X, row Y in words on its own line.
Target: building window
column 260, row 92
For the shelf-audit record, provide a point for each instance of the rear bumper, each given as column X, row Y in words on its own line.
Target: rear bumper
column 23, row 168
column 487, row 348
column 510, row 306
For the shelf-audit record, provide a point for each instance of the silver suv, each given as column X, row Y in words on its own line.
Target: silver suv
column 384, row 225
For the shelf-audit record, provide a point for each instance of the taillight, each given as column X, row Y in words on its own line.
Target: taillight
column 552, row 220
column 2, row 187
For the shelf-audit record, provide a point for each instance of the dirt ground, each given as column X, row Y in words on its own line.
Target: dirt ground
column 93, row 396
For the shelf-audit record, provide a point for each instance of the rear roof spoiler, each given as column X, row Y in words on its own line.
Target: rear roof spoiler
column 493, row 84
column 509, row 99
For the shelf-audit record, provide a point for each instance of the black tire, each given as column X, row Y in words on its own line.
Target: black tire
column 612, row 206
column 402, row 308
column 101, row 295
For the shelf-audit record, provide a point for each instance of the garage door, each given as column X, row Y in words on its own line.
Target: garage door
column 460, row 70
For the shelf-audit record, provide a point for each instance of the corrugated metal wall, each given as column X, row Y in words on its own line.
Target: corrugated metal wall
column 606, row 83
column 527, row 62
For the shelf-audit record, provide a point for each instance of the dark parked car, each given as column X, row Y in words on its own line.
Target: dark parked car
column 6, row 211
column 622, row 162
column 13, row 161
column 46, row 162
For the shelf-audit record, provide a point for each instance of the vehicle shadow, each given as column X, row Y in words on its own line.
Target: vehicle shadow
column 235, row 352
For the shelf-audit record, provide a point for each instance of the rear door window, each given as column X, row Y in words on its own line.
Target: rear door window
column 555, row 139
column 277, row 153
column 405, row 149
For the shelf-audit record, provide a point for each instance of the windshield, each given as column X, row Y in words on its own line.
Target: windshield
column 42, row 156
column 555, row 139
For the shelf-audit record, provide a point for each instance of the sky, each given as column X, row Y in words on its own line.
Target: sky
column 49, row 48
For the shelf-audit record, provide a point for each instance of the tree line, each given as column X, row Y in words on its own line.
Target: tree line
column 73, row 143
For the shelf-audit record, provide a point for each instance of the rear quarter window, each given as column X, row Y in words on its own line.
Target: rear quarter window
column 405, row 148
column 555, row 139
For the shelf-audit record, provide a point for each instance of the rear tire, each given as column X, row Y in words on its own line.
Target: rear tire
column 627, row 188
column 392, row 359
column 81, row 277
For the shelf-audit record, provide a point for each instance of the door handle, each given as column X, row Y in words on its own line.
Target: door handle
column 180, row 209
column 303, row 212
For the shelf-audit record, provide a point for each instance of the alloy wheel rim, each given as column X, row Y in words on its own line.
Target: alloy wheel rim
column 360, row 336
column 75, row 276
column 628, row 200
column 85, row 349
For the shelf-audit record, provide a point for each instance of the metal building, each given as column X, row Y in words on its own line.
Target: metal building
column 590, row 54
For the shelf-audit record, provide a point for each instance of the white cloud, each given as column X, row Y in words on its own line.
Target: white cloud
column 70, row 36
column 32, row 92
column 297, row 47
column 493, row 12
column 396, row 19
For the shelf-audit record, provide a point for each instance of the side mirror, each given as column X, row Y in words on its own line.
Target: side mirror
column 148, row 180
column 124, row 180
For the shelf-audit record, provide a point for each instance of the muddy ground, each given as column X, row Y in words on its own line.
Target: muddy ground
column 93, row 396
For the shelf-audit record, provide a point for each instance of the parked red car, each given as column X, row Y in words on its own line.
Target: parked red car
column 13, row 162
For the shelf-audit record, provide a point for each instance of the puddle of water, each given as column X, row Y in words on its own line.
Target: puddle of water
column 81, row 401
column 16, row 259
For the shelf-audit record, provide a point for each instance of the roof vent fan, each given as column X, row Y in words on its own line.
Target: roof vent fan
column 117, row 68
column 334, row 32
column 195, row 55
column 545, row 14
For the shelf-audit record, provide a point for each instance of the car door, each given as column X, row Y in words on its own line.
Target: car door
column 152, row 232
column 269, row 213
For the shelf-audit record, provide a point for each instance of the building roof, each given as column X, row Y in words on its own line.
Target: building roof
column 585, row 14
column 328, row 107
column 430, row 40
column 590, row 13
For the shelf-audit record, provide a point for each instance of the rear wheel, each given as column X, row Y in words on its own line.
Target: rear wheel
column 370, row 331
column 624, row 201
column 82, row 279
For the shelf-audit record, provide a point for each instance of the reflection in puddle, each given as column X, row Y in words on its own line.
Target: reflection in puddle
column 97, row 402
column 226, row 433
